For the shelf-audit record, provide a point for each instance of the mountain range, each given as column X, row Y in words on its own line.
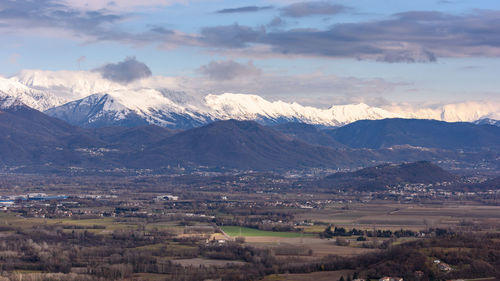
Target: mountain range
column 86, row 99
column 33, row 140
column 70, row 120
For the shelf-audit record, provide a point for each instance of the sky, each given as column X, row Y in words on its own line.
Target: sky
column 380, row 52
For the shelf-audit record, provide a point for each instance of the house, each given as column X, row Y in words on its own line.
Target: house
column 167, row 197
column 444, row 267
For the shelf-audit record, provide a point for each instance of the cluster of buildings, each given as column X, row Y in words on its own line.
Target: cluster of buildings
column 16, row 200
column 415, row 192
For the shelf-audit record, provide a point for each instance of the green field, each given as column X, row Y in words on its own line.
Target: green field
column 109, row 224
column 234, row 231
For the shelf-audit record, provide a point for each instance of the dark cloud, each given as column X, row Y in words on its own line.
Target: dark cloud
column 313, row 8
column 409, row 56
column 415, row 36
column 228, row 70
column 276, row 22
column 161, row 30
column 49, row 13
column 405, row 37
column 125, row 71
column 246, row 9
column 230, row 36
column 88, row 25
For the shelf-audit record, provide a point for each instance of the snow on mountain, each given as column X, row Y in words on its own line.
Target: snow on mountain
column 252, row 107
column 456, row 112
column 470, row 111
column 162, row 107
column 67, row 85
column 85, row 98
column 488, row 121
column 131, row 108
column 37, row 99
column 7, row 102
column 98, row 110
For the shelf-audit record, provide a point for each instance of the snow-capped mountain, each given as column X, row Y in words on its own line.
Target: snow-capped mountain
column 98, row 110
column 488, row 121
column 85, row 98
column 252, row 107
column 37, row 99
column 66, row 85
column 131, row 108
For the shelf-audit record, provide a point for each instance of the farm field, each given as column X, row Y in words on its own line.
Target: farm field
column 407, row 216
column 315, row 276
column 235, row 231
column 198, row 262
column 100, row 225
column 319, row 247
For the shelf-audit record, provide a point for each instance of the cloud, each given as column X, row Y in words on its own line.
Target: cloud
column 405, row 37
column 117, row 5
column 29, row 15
column 408, row 56
column 409, row 37
column 318, row 89
column 230, row 36
column 229, row 70
column 314, row 8
column 246, row 9
column 87, row 21
column 276, row 22
column 125, row 71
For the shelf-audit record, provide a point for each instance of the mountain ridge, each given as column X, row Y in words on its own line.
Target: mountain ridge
column 381, row 176
column 162, row 101
column 33, row 139
column 244, row 145
column 386, row 133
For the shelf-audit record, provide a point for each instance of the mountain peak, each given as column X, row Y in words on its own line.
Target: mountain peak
column 488, row 121
column 98, row 110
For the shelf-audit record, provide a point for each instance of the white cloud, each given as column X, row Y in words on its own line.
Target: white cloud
column 229, row 70
column 118, row 5
column 317, row 89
